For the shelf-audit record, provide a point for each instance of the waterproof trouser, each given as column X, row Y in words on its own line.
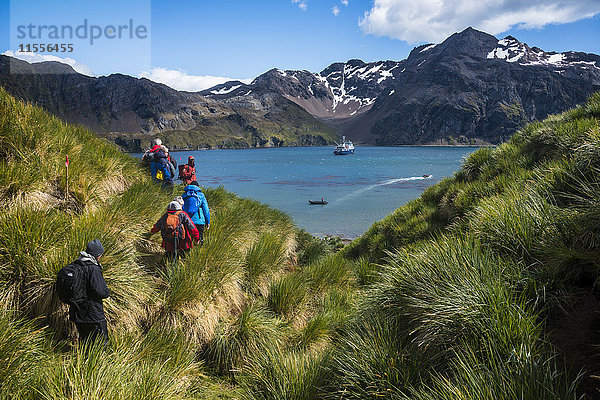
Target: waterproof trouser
column 92, row 331
column 201, row 232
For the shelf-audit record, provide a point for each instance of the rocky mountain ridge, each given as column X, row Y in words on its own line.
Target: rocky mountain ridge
column 472, row 88
column 131, row 111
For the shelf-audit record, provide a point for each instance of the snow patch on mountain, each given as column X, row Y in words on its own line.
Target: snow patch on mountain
column 225, row 90
column 511, row 50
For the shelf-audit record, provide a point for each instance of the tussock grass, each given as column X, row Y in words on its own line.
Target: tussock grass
column 327, row 272
column 332, row 311
column 453, row 288
column 493, row 377
column 23, row 351
column 252, row 332
column 374, row 360
column 264, row 258
column 158, row 367
column 515, row 223
column 286, row 296
column 38, row 144
column 365, row 272
column 275, row 374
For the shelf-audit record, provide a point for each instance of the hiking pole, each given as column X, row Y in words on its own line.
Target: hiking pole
column 176, row 248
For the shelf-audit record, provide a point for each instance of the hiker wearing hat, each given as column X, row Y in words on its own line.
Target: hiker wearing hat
column 187, row 172
column 175, row 226
column 188, row 238
column 81, row 285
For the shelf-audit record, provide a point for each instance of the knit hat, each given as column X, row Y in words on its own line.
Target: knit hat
column 94, row 248
column 179, row 199
column 174, row 206
column 157, row 141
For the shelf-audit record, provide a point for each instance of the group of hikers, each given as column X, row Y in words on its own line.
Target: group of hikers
column 184, row 223
column 81, row 284
column 163, row 166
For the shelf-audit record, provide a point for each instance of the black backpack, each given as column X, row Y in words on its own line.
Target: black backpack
column 71, row 283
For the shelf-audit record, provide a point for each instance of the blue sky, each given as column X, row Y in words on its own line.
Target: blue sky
column 242, row 39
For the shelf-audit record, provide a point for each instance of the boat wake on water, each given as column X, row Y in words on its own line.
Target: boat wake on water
column 384, row 183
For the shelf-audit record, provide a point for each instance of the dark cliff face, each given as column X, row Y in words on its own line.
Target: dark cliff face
column 113, row 103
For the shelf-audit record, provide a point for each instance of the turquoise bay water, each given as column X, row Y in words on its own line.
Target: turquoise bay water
column 360, row 188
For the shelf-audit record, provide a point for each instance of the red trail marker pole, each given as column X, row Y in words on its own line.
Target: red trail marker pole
column 67, row 177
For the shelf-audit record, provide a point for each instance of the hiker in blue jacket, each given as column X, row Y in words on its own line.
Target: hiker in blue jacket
column 195, row 204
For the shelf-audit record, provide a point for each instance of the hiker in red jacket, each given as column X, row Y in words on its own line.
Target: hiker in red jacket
column 188, row 238
column 175, row 226
column 187, row 172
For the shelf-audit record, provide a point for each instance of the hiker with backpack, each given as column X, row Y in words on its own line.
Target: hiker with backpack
column 188, row 238
column 81, row 285
column 177, row 230
column 164, row 169
column 150, row 157
column 196, row 206
column 171, row 163
column 161, row 169
column 187, row 172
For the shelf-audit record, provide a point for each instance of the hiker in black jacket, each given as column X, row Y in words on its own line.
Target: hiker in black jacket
column 89, row 315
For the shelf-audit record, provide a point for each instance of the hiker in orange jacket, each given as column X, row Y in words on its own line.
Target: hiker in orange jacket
column 175, row 226
column 187, row 172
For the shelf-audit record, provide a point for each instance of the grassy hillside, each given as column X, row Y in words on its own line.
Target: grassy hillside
column 479, row 289
column 484, row 279
column 285, row 125
column 464, row 293
column 171, row 325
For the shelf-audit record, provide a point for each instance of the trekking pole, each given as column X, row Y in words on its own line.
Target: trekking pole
column 176, row 248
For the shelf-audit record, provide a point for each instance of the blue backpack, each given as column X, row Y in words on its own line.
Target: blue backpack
column 191, row 202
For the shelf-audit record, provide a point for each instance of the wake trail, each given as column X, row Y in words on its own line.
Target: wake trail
column 384, row 183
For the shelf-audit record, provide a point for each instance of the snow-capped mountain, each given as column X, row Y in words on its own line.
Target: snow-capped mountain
column 341, row 90
column 471, row 87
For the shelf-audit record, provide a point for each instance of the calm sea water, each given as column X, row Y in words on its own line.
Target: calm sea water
column 360, row 188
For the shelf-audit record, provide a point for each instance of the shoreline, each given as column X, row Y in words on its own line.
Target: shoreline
column 300, row 147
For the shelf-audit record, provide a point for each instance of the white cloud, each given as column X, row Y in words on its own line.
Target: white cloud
column 179, row 80
column 335, row 10
column 345, row 2
column 302, row 4
column 434, row 20
column 37, row 58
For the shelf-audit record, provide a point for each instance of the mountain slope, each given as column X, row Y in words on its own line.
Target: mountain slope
column 340, row 91
column 131, row 110
column 471, row 88
column 461, row 88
